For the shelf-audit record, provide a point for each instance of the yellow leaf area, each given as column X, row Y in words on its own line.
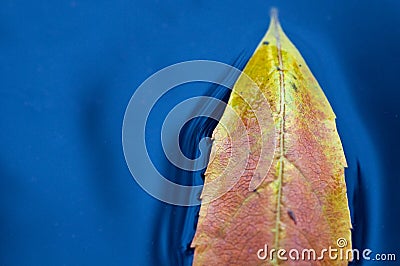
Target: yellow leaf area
column 300, row 204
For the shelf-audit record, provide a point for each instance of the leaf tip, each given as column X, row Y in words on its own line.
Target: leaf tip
column 274, row 14
column 273, row 29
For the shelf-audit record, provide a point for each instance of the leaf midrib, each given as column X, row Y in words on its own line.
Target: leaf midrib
column 281, row 135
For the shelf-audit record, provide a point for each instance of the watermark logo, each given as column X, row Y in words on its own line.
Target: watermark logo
column 146, row 96
column 340, row 252
column 341, row 242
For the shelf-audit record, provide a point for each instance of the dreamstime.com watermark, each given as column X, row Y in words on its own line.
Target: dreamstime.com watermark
column 339, row 252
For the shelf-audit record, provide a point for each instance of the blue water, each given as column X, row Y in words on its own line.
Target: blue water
column 69, row 68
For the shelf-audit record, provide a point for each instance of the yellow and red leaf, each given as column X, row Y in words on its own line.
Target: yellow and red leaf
column 300, row 202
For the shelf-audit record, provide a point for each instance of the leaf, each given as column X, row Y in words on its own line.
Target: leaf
column 301, row 202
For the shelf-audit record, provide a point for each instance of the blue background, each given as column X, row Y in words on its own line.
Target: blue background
column 69, row 68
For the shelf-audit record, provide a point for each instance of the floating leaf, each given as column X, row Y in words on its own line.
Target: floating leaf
column 299, row 202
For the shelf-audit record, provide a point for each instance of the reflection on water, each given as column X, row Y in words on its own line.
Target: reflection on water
column 180, row 222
